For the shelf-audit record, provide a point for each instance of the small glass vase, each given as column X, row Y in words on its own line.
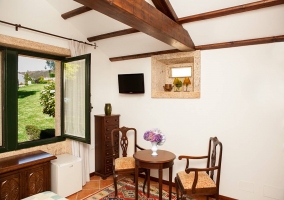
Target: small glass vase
column 177, row 89
column 154, row 149
column 108, row 109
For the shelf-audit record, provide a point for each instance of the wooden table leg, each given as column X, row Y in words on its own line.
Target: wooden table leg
column 148, row 184
column 136, row 182
column 170, row 182
column 160, row 183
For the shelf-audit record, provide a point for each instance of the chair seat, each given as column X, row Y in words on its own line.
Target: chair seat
column 124, row 163
column 204, row 183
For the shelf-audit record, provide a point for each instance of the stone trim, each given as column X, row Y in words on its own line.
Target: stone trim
column 28, row 45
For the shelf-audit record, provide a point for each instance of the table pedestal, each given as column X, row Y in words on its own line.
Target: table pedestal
column 164, row 159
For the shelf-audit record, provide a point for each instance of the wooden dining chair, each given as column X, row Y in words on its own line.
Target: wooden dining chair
column 201, row 181
column 124, row 163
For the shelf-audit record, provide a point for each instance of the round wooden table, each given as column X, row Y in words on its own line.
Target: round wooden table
column 164, row 159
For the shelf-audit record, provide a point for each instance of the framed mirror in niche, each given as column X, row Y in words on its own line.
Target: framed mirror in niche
column 165, row 69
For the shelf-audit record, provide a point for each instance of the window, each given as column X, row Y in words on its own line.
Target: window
column 12, row 94
column 180, row 72
column 36, row 98
column 76, row 95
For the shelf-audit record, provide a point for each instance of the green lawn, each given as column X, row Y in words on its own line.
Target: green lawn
column 30, row 111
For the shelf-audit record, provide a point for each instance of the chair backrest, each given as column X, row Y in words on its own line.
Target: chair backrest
column 121, row 135
column 215, row 152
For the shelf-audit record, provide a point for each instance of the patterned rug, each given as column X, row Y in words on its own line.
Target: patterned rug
column 126, row 191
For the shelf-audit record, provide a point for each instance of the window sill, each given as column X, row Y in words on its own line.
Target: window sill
column 176, row 95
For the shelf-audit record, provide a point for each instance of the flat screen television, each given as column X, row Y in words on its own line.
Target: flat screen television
column 131, row 83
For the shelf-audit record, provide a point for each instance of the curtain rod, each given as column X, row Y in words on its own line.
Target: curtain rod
column 17, row 26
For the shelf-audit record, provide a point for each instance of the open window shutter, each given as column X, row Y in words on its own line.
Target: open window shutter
column 76, row 98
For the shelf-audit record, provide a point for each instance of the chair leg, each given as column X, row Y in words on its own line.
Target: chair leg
column 217, row 197
column 115, row 184
column 177, row 188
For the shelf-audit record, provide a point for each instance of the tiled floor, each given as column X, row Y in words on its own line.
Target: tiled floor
column 96, row 183
column 91, row 187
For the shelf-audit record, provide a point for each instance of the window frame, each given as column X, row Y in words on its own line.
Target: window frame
column 87, row 58
column 10, row 100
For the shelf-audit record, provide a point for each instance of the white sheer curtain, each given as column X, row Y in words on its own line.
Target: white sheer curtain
column 79, row 149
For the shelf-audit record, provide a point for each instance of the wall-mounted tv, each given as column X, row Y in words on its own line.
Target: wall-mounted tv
column 131, row 83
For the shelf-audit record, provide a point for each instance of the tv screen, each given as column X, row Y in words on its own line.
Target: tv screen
column 131, row 83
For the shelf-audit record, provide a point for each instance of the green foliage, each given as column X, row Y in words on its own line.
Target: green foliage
column 70, row 70
column 47, row 99
column 50, row 64
column 41, row 80
column 33, row 132
column 27, row 78
column 177, row 82
column 51, row 75
column 30, row 111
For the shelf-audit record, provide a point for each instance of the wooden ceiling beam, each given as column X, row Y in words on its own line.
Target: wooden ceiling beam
column 264, row 40
column 112, row 34
column 143, row 55
column 75, row 12
column 232, row 10
column 239, row 43
column 165, row 7
column 218, row 13
column 145, row 18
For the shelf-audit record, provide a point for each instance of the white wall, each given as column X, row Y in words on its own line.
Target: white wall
column 242, row 103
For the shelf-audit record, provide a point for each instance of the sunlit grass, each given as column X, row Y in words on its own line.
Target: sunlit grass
column 30, row 111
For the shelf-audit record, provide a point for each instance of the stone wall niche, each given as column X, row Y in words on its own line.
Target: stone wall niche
column 161, row 74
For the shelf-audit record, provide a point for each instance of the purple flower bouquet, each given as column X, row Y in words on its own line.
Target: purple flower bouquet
column 155, row 135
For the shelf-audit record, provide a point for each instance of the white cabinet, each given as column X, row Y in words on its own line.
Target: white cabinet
column 66, row 175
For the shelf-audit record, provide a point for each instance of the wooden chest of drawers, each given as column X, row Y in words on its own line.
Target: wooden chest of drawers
column 103, row 151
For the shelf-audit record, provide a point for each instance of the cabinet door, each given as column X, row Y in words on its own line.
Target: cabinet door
column 35, row 181
column 10, row 187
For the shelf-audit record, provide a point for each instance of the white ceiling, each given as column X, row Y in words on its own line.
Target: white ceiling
column 248, row 25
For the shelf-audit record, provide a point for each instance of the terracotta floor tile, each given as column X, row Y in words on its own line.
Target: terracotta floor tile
column 92, row 185
column 73, row 197
column 105, row 183
column 84, row 193
column 95, row 178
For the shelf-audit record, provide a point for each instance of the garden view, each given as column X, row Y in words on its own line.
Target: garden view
column 36, row 107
